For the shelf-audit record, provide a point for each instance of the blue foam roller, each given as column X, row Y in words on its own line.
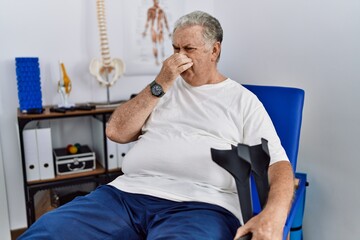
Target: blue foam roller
column 28, row 83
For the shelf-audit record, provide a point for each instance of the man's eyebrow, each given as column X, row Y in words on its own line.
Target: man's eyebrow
column 186, row 46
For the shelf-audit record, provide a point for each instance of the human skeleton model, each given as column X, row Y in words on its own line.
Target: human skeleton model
column 102, row 68
column 156, row 18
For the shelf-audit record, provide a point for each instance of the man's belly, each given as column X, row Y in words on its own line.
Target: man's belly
column 177, row 158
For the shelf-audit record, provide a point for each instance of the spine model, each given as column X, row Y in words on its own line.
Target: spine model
column 104, row 41
column 102, row 69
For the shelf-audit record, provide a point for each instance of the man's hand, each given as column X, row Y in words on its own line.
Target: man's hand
column 171, row 69
column 269, row 223
column 127, row 120
column 264, row 226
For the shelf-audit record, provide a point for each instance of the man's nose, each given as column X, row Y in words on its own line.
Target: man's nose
column 182, row 51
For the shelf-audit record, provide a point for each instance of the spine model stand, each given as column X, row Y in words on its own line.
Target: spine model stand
column 102, row 69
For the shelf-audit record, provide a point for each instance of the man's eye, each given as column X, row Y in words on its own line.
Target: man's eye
column 189, row 49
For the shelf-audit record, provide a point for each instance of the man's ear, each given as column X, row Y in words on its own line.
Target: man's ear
column 216, row 51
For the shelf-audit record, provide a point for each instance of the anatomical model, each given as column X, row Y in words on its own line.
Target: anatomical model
column 107, row 67
column 64, row 87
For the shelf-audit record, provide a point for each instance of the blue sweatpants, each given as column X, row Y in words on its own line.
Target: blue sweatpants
column 108, row 213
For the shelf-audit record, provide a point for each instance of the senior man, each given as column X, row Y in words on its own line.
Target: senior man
column 171, row 188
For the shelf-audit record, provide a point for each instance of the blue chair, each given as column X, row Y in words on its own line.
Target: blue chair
column 284, row 106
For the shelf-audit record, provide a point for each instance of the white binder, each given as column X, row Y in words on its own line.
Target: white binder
column 122, row 150
column 45, row 156
column 112, row 154
column 31, row 155
column 98, row 140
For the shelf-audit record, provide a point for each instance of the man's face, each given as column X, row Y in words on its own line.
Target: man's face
column 189, row 41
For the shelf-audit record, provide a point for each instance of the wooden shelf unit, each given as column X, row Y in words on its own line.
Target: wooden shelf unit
column 98, row 176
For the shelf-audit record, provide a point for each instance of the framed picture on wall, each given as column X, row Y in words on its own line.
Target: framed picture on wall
column 147, row 36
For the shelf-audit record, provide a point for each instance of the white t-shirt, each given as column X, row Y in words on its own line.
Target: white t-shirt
column 172, row 157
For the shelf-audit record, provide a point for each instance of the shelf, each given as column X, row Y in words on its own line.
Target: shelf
column 116, row 170
column 47, row 114
column 100, row 175
column 24, row 118
column 98, row 170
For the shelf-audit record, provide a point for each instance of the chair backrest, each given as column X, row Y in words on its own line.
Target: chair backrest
column 284, row 106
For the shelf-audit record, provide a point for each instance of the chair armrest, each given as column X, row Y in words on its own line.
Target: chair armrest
column 300, row 185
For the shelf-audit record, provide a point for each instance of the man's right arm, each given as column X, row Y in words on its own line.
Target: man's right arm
column 127, row 120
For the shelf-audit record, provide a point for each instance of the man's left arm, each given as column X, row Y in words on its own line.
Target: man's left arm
column 270, row 222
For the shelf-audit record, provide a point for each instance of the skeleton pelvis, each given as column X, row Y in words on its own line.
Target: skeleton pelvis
column 107, row 75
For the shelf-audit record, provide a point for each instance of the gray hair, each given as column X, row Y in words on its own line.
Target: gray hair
column 212, row 30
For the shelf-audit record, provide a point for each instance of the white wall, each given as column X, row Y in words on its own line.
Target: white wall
column 4, row 214
column 308, row 44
